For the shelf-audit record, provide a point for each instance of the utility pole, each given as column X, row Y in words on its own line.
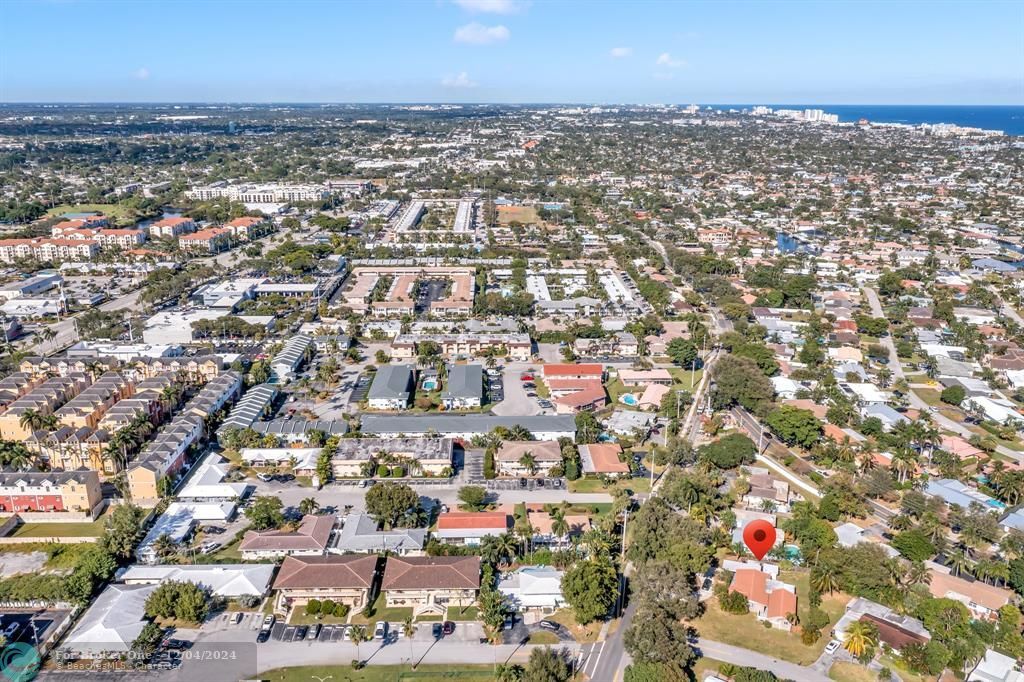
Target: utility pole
column 622, row 562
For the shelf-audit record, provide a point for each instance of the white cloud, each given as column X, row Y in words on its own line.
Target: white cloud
column 478, row 34
column 141, row 74
column 665, row 59
column 491, row 6
column 462, row 80
column 620, row 52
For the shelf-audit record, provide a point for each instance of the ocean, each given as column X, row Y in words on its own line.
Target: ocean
column 1009, row 119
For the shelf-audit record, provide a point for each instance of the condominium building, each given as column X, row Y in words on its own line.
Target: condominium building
column 211, row 240
column 51, row 491
column 172, row 227
column 44, row 249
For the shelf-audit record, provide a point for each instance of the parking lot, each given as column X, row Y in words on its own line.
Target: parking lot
column 31, row 626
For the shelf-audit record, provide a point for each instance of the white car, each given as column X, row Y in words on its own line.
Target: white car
column 833, row 647
column 380, row 631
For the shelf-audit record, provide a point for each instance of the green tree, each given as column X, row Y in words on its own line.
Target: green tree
column 389, row 501
column 265, row 513
column 953, row 395
column 181, row 601
column 914, row 544
column 682, row 352
column 739, row 381
column 728, row 452
column 473, row 497
column 591, row 588
column 795, row 426
column 122, row 530
column 547, row 665
column 655, row 636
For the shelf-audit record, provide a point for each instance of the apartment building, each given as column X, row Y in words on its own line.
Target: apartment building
column 51, row 491
column 87, row 408
column 163, row 457
column 347, row 579
column 431, row 584
column 515, row 347
column 248, row 227
column 170, row 228
column 419, row 456
column 43, row 400
column 310, row 539
column 44, row 249
column 392, row 388
column 520, row 458
column 260, row 194
column 210, row 240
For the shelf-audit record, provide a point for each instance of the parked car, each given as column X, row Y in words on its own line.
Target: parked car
column 550, row 625
column 448, row 627
column 380, row 630
column 833, row 647
column 209, row 547
column 300, row 633
column 11, row 631
column 314, row 631
column 263, row 636
column 266, row 478
column 437, row 630
column 268, row 621
column 236, row 618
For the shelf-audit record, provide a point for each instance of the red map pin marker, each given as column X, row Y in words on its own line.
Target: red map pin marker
column 759, row 536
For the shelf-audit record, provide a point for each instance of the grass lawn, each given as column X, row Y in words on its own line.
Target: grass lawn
column 897, row 667
column 746, row 631
column 682, row 377
column 59, row 530
column 616, row 389
column 703, row 666
column 300, row 617
column 929, row 396
column 851, row 672
column 582, row 633
column 542, row 637
column 381, row 612
column 380, row 673
column 469, row 614
column 120, row 214
column 542, row 389
column 594, row 485
column 60, row 556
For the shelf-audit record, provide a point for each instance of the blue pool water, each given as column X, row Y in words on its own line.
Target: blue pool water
column 629, row 399
column 429, row 385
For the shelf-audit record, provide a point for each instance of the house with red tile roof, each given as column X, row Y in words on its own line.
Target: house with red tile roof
column 469, row 528
column 603, row 459
column 573, row 371
column 769, row 599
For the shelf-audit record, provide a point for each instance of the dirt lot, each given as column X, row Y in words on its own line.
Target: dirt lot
column 518, row 214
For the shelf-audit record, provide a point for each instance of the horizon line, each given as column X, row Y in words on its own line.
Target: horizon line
column 481, row 103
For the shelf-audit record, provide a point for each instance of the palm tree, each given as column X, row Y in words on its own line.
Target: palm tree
column 309, row 505
column 918, row 574
column 358, row 635
column 861, row 638
column 519, row 432
column 408, row 630
column 824, row 577
column 164, row 546
column 559, row 526
column 31, row 420
column 528, row 462
column 959, row 561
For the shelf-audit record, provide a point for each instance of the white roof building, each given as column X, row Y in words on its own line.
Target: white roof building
column 175, row 326
column 996, row 667
column 533, row 587
column 207, row 482
column 223, row 580
column 111, row 624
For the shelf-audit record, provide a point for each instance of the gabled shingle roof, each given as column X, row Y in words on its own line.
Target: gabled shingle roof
column 345, row 571
column 442, row 572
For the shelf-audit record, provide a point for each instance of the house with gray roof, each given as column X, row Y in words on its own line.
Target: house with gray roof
column 465, row 387
column 465, row 426
column 360, row 534
column 392, row 388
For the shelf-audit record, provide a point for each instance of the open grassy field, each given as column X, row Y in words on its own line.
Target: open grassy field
column 58, row 530
column 380, row 673
column 123, row 215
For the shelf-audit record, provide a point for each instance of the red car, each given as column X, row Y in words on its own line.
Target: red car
column 526, row 377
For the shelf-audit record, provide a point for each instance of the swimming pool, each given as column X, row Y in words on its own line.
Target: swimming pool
column 629, row 399
column 429, row 384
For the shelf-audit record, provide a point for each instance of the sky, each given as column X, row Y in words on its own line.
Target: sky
column 505, row 51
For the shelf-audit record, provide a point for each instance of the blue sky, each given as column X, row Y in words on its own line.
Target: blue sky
column 804, row 51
